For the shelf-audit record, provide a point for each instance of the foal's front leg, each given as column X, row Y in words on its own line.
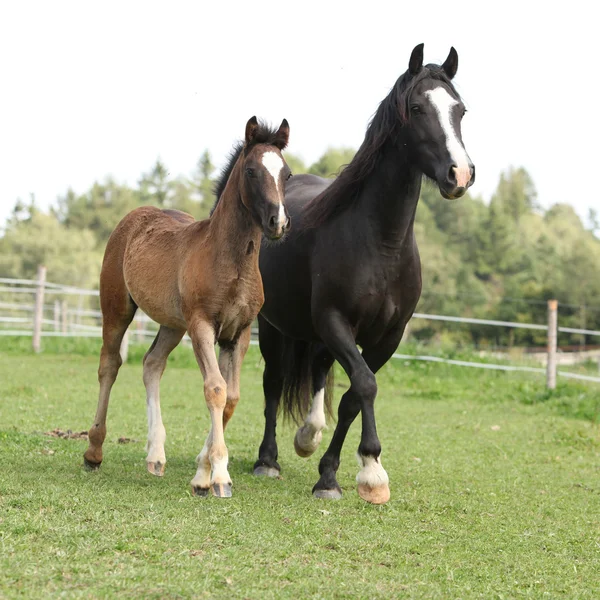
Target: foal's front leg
column 212, row 461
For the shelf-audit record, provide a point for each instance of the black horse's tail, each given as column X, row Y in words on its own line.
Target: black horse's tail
column 298, row 359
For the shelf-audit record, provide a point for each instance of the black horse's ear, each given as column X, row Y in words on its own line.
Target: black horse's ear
column 415, row 64
column 283, row 135
column 251, row 129
column 450, row 65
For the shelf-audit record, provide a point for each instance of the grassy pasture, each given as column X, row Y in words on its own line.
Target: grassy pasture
column 495, row 491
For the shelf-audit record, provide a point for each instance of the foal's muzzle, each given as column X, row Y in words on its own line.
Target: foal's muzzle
column 278, row 222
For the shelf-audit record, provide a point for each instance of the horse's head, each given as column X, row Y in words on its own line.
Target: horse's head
column 432, row 112
column 263, row 176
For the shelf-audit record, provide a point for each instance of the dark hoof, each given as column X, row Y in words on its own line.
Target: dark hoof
column 200, row 492
column 221, row 490
column 89, row 465
column 156, row 468
column 334, row 494
column 265, row 471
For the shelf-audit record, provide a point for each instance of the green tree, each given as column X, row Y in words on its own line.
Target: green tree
column 154, row 186
column 332, row 161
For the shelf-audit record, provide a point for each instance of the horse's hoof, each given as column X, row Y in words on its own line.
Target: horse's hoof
column 265, row 471
column 375, row 495
column 221, row 490
column 156, row 468
column 306, row 449
column 89, row 465
column 334, row 494
column 200, row 492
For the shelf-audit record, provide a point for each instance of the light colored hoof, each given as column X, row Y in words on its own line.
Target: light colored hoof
column 156, row 468
column 375, row 495
column 328, row 494
column 305, row 443
column 221, row 490
column 265, row 471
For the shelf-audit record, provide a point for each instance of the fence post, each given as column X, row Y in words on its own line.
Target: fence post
column 124, row 350
column 38, row 313
column 63, row 316
column 552, row 343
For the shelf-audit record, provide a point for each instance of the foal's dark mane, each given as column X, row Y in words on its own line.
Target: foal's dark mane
column 392, row 114
column 265, row 134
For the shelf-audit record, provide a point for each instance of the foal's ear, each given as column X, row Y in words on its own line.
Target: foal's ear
column 450, row 65
column 282, row 136
column 415, row 64
column 251, row 129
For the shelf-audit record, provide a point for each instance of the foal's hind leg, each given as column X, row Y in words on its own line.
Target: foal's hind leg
column 155, row 362
column 117, row 312
column 308, row 437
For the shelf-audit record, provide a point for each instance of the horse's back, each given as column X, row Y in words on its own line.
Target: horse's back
column 141, row 259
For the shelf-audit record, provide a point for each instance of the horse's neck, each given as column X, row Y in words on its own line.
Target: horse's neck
column 389, row 196
column 236, row 235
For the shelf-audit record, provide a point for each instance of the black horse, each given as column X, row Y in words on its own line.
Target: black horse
column 349, row 272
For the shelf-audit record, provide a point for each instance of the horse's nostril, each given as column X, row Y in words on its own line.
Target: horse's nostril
column 452, row 173
column 273, row 222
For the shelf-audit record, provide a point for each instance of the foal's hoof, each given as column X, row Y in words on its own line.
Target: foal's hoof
column 156, row 468
column 266, row 471
column 199, row 492
column 375, row 495
column 89, row 465
column 333, row 494
column 305, row 443
column 221, row 490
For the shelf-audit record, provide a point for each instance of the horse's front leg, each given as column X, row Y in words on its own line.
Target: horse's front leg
column 231, row 357
column 373, row 484
column 212, row 461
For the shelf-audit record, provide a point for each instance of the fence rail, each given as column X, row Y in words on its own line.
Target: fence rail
column 67, row 323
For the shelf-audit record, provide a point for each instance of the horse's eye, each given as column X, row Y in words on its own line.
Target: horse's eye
column 289, row 175
column 464, row 112
column 415, row 109
column 250, row 172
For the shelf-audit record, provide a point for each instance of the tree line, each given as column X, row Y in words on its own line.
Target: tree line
column 501, row 259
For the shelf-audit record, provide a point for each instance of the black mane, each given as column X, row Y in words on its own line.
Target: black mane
column 265, row 134
column 392, row 114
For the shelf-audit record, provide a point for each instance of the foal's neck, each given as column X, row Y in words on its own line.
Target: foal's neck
column 390, row 194
column 235, row 232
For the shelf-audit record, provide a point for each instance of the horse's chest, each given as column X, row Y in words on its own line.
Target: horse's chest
column 239, row 309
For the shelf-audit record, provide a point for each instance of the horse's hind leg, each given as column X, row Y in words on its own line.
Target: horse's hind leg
column 155, row 362
column 308, row 437
column 271, row 347
column 118, row 311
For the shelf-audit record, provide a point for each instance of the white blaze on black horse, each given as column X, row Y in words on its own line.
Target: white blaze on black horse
column 349, row 272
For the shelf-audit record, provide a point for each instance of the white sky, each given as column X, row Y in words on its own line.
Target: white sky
column 91, row 89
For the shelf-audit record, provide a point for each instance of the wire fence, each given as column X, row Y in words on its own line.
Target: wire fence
column 21, row 318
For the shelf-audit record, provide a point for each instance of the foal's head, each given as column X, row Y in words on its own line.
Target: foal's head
column 263, row 173
column 432, row 111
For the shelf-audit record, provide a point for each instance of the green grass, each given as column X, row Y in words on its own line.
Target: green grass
column 495, row 492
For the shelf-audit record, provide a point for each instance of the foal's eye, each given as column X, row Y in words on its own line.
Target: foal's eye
column 464, row 112
column 415, row 109
column 289, row 175
column 250, row 172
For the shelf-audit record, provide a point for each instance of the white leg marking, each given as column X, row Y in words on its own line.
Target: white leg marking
column 156, row 430
column 443, row 102
column 309, row 436
column 202, row 476
column 371, row 473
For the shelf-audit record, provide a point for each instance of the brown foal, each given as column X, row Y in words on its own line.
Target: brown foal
column 196, row 276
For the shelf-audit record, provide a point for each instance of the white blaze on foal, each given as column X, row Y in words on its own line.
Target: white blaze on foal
column 274, row 163
column 443, row 103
